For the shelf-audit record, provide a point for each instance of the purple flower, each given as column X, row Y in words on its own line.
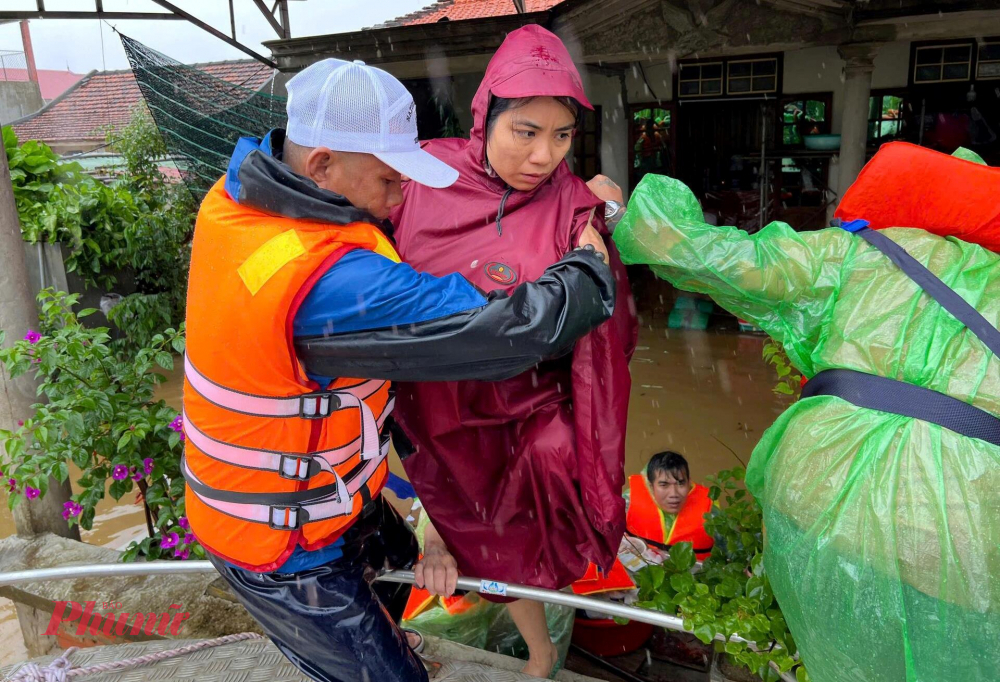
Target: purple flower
column 182, row 554
column 71, row 509
column 120, row 472
column 183, row 523
column 20, row 422
column 169, row 540
column 12, row 485
column 188, row 538
column 31, row 493
column 177, row 426
column 147, row 465
column 36, row 361
column 137, row 475
column 32, row 337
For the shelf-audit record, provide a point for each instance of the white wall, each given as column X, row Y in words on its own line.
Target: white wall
column 605, row 91
column 892, row 66
column 660, row 76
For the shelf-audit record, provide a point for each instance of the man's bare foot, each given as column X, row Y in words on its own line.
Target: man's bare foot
column 542, row 664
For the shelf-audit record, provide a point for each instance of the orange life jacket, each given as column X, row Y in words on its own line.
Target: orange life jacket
column 646, row 521
column 421, row 600
column 272, row 459
column 594, row 581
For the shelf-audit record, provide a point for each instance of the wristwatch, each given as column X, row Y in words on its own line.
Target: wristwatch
column 613, row 212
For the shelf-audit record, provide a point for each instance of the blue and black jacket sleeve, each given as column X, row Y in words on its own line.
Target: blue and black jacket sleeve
column 372, row 318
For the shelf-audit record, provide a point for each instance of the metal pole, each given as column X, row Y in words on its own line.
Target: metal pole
column 166, row 4
column 923, row 112
column 286, row 23
column 763, row 169
column 106, row 571
column 514, row 591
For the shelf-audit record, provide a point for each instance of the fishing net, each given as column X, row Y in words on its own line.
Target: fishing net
column 200, row 116
column 882, row 531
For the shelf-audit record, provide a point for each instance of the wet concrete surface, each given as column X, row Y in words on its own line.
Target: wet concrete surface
column 705, row 394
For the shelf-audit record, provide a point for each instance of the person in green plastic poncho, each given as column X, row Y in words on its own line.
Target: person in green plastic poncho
column 883, row 531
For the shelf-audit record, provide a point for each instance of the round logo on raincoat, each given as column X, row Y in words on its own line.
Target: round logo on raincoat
column 501, row 273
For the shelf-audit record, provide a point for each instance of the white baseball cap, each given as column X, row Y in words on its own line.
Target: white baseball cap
column 352, row 107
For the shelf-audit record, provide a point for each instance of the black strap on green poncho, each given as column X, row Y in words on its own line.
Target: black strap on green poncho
column 898, row 397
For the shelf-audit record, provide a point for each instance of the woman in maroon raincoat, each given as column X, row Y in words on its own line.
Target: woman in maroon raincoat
column 522, row 478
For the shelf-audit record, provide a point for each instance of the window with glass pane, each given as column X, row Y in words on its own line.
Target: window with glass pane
column 587, row 145
column 802, row 117
column 651, row 143
column 752, row 76
column 942, row 63
column 885, row 118
column 699, row 80
column 988, row 67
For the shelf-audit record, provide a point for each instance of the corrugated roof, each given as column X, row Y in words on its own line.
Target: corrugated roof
column 458, row 10
column 107, row 99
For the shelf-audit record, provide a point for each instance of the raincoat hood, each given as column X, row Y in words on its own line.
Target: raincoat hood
column 531, row 62
column 521, row 477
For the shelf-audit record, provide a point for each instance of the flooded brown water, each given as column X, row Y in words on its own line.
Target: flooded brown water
column 705, row 394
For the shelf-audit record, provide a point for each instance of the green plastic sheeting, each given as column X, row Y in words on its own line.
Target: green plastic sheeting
column 882, row 531
column 488, row 625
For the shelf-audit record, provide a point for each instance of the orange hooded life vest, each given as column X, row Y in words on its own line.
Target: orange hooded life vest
column 272, row 460
column 645, row 520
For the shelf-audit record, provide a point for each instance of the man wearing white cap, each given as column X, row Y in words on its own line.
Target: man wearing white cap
column 294, row 287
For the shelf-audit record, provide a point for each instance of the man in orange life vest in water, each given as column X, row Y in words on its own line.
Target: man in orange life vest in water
column 665, row 508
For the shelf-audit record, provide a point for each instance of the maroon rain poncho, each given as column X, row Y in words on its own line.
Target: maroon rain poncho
column 522, row 478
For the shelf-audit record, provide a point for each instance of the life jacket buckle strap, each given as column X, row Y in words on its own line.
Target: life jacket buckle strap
column 319, row 405
column 297, row 467
column 287, row 518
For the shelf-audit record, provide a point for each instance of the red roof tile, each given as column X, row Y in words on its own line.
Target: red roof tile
column 51, row 83
column 457, row 10
column 103, row 99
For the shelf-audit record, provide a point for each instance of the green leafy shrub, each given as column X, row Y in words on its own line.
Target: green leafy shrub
column 731, row 594
column 789, row 379
column 157, row 242
column 56, row 203
column 141, row 222
column 101, row 415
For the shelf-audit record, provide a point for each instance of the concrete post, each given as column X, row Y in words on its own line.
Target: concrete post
column 17, row 314
column 29, row 52
column 860, row 62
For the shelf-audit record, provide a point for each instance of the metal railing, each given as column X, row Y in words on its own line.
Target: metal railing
column 481, row 586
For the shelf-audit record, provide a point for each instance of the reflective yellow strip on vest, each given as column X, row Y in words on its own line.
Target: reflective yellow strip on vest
column 269, row 258
column 384, row 248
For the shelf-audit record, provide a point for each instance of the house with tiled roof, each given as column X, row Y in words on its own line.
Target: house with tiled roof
column 460, row 10
column 76, row 121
